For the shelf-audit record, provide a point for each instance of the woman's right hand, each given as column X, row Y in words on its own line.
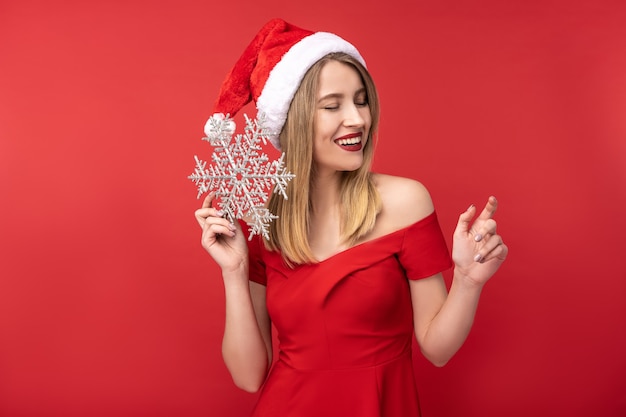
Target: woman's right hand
column 224, row 240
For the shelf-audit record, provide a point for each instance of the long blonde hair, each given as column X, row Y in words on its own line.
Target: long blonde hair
column 361, row 202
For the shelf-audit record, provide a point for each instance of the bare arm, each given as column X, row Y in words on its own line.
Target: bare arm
column 247, row 343
column 443, row 321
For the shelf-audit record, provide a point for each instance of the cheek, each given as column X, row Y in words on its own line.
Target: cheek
column 321, row 124
column 318, row 143
column 367, row 116
column 318, row 131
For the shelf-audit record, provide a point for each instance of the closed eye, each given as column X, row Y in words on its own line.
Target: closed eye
column 360, row 98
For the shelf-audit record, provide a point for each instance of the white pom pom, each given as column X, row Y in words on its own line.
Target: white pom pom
column 216, row 124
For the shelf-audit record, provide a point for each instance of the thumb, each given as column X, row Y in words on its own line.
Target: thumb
column 463, row 226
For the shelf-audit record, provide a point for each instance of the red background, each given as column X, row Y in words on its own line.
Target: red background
column 108, row 304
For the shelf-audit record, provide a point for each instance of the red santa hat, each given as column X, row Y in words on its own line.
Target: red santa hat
column 270, row 71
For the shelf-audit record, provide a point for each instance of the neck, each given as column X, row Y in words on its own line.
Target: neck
column 325, row 193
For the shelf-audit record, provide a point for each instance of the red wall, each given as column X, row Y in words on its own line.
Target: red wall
column 108, row 304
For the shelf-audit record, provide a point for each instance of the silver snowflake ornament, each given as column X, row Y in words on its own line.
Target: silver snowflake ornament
column 241, row 175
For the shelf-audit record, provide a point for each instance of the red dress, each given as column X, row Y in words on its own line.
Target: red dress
column 345, row 326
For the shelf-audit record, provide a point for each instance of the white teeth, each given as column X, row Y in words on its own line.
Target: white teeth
column 350, row 141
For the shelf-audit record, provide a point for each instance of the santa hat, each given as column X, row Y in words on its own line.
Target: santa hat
column 270, row 71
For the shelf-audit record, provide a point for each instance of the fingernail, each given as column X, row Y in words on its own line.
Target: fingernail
column 220, row 213
column 232, row 227
column 478, row 257
column 470, row 207
column 478, row 237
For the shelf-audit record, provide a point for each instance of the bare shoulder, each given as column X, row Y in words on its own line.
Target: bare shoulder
column 405, row 201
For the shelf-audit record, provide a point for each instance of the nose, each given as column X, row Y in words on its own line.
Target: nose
column 353, row 116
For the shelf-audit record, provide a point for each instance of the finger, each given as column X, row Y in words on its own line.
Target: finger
column 500, row 252
column 208, row 200
column 214, row 226
column 486, row 229
column 487, row 251
column 213, row 231
column 465, row 218
column 203, row 213
column 490, row 209
column 216, row 220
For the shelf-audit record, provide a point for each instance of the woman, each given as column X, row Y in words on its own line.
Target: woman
column 352, row 269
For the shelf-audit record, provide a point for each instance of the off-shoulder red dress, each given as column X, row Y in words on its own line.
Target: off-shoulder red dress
column 345, row 326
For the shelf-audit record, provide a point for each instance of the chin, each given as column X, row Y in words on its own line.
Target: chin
column 352, row 168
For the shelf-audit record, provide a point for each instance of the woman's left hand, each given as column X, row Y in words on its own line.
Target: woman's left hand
column 478, row 251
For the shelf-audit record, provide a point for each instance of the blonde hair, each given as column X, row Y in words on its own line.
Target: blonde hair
column 360, row 200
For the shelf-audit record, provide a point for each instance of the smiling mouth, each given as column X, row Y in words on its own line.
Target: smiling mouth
column 349, row 141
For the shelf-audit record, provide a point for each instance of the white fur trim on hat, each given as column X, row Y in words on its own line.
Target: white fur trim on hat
column 285, row 77
column 215, row 124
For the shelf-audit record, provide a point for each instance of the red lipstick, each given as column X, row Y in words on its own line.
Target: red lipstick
column 352, row 146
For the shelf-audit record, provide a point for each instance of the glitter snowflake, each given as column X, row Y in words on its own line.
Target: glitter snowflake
column 241, row 175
